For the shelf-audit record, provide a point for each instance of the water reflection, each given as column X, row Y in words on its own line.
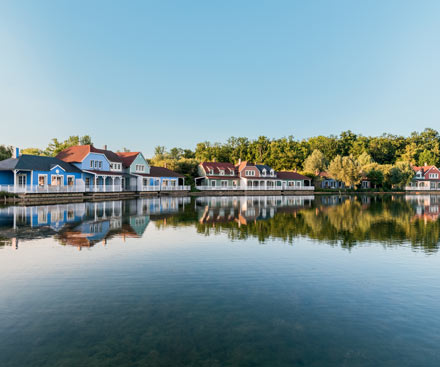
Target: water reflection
column 334, row 219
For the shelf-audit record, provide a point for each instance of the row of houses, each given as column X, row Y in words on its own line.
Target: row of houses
column 248, row 176
column 85, row 168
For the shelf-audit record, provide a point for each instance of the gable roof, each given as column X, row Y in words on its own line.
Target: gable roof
column 262, row 167
column 160, row 172
column 36, row 163
column 285, row 175
column 217, row 166
column 424, row 169
column 128, row 157
column 77, row 153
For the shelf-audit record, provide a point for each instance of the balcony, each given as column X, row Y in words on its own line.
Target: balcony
column 46, row 189
column 255, row 188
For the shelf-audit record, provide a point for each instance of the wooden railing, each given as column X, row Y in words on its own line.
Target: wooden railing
column 255, row 188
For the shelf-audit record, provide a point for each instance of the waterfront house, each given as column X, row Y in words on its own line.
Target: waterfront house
column 263, row 177
column 328, row 182
column 248, row 176
column 425, row 178
column 102, row 168
column 217, row 176
column 151, row 178
column 33, row 174
column 134, row 166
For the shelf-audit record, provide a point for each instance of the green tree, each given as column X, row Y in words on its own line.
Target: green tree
column 5, row 152
column 351, row 171
column 335, row 168
column 315, row 162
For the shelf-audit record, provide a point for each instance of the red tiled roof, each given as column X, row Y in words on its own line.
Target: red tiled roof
column 79, row 152
column 217, row 166
column 160, row 172
column 127, row 157
column 285, row 175
column 74, row 154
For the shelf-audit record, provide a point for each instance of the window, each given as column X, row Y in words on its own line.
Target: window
column 70, row 180
column 140, row 168
column 92, row 164
column 100, row 164
column 250, row 173
column 211, row 171
column 264, row 171
column 213, row 183
column 231, row 172
column 56, row 180
column 42, row 180
column 22, row 180
column 145, row 182
column 224, row 183
column 96, row 164
column 433, row 175
column 222, row 172
column 272, row 172
column 87, row 181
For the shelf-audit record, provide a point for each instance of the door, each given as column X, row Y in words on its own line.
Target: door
column 56, row 181
column 21, row 180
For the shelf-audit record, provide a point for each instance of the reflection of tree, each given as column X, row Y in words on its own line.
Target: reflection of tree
column 387, row 220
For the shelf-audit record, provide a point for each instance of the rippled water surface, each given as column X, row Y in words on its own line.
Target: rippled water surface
column 234, row 281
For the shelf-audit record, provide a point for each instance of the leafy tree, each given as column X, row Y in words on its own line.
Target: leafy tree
column 376, row 177
column 427, row 157
column 315, row 162
column 364, row 160
column 351, row 171
column 5, row 152
column 335, row 168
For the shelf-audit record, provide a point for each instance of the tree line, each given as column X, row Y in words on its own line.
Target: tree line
column 384, row 159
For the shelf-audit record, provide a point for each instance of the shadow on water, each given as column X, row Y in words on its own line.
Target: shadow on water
column 336, row 220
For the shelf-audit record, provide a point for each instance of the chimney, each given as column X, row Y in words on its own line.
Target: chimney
column 105, row 147
column 426, row 164
column 15, row 152
column 239, row 161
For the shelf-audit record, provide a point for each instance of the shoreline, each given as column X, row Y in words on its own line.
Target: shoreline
column 66, row 198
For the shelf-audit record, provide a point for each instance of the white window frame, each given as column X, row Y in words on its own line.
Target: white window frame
column 73, row 180
column 222, row 172
column 45, row 180
column 249, row 173
column 92, row 163
column 21, row 175
column 57, row 176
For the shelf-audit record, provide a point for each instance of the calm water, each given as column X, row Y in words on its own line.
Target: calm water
column 256, row 281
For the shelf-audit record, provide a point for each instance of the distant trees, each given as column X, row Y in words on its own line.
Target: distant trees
column 315, row 162
column 5, row 152
column 56, row 146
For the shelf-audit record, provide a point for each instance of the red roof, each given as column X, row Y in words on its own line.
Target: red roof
column 77, row 153
column 285, row 175
column 127, row 157
column 217, row 166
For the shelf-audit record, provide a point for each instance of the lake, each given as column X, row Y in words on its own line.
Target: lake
column 222, row 281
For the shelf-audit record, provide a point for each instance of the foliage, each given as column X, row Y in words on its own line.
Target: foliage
column 5, row 152
column 315, row 162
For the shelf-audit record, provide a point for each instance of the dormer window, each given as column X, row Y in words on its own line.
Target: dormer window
column 222, row 172
column 211, row 171
column 232, row 172
column 264, row 171
column 272, row 172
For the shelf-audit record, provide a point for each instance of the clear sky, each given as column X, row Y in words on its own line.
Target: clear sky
column 138, row 74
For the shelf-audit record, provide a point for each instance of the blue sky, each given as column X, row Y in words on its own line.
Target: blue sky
column 138, row 74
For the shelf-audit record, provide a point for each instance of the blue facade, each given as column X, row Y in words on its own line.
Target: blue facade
column 94, row 162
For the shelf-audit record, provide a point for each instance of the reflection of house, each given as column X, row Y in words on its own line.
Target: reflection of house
column 247, row 209
column 427, row 207
column 29, row 173
column 425, row 178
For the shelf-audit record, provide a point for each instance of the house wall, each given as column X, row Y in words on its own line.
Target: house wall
column 249, row 168
column 6, row 178
column 218, row 182
column 85, row 164
column 139, row 160
column 49, row 174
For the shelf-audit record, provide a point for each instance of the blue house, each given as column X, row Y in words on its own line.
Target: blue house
column 102, row 169
column 29, row 173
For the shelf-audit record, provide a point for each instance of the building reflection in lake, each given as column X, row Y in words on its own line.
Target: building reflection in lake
column 246, row 209
column 427, row 207
column 84, row 224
